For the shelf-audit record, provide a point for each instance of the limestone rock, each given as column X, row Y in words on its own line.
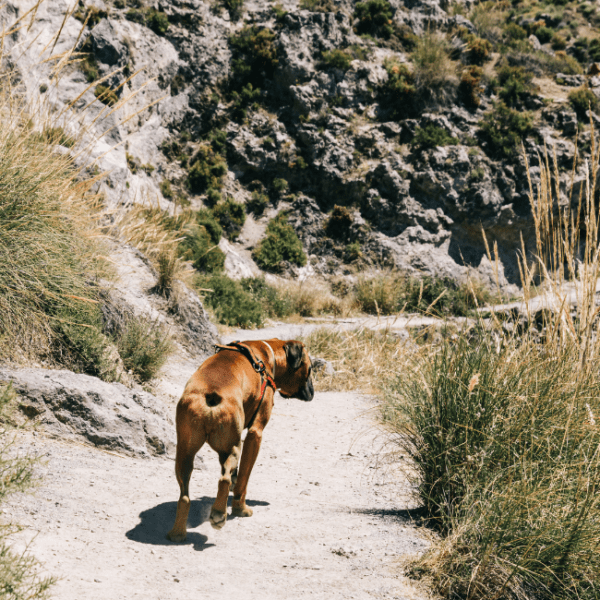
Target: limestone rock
column 109, row 415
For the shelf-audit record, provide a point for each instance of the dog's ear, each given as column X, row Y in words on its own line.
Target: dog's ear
column 293, row 353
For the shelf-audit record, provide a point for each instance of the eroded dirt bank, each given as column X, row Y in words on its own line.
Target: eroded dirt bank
column 327, row 523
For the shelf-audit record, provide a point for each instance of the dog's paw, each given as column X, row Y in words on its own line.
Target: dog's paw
column 176, row 536
column 241, row 511
column 218, row 519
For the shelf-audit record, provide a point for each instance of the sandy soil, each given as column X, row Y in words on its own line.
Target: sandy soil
column 329, row 521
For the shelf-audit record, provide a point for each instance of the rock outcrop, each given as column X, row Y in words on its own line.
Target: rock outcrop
column 324, row 128
column 108, row 415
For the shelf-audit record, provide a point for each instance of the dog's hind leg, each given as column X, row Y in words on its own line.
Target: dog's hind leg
column 188, row 444
column 229, row 463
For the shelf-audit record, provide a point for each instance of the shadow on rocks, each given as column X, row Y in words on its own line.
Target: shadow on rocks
column 158, row 520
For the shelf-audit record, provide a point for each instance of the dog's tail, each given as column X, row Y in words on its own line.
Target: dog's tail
column 213, row 399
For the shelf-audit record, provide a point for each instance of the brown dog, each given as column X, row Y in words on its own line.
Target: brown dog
column 225, row 395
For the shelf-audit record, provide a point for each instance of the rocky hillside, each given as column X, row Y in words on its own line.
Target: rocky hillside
column 405, row 115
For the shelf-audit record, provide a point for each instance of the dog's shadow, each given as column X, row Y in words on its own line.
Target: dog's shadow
column 156, row 521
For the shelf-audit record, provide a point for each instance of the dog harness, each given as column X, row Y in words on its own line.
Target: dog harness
column 259, row 366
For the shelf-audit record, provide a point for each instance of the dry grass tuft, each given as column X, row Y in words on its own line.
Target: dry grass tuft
column 363, row 359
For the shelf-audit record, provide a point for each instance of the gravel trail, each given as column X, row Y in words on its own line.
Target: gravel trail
column 328, row 522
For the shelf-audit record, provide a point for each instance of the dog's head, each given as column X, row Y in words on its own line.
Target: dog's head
column 296, row 381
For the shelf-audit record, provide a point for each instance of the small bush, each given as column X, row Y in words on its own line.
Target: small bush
column 232, row 304
column 92, row 15
column 336, row 59
column 279, row 244
column 514, row 32
column 434, row 72
column 544, row 34
column 167, row 270
column 400, row 91
column 165, row 189
column 206, row 218
column 207, row 170
column 504, row 128
column 318, row 5
column 157, row 21
column 136, row 16
column 469, row 86
column 558, row 42
column 339, row 223
column 106, row 95
column 275, row 303
column 478, row 50
column 144, row 346
column 258, row 203
column 232, row 216
column 374, row 18
column 235, row 8
column 280, row 185
column 516, row 84
column 89, row 65
column 255, row 56
column 594, row 50
column 583, row 100
column 213, row 197
column 432, row 136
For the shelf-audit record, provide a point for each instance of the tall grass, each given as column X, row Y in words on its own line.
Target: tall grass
column 19, row 572
column 363, row 359
column 503, row 431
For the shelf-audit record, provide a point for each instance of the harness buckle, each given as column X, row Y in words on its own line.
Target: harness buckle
column 259, row 366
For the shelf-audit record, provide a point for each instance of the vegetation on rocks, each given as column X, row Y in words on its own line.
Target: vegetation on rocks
column 280, row 244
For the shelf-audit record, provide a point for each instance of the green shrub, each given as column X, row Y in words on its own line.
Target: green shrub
column 478, row 50
column 89, row 65
column 469, row 86
column 275, row 304
column 213, row 197
column 514, row 32
column 232, row 304
column 255, row 56
column 504, row 128
column 280, row 185
column 318, row 5
column 558, row 42
column 144, row 346
column 352, row 252
column 207, row 170
column 57, row 135
column 92, row 15
column 583, row 100
column 106, row 95
column 279, row 244
column 247, row 96
column 157, row 21
column 165, row 189
column 544, row 34
column 432, row 136
column 258, row 203
column 400, row 91
column 335, row 59
column 232, row 216
column 136, row 16
column 516, row 83
column 594, row 50
column 339, row 223
column 206, row 218
column 374, row 18
column 234, row 7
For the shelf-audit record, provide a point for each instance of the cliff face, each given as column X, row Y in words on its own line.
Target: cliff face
column 266, row 106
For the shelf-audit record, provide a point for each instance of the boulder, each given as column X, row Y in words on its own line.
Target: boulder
column 81, row 407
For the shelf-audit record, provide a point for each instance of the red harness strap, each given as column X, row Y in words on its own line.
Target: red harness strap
column 259, row 366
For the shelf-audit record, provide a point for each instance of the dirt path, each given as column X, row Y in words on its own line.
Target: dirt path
column 327, row 523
